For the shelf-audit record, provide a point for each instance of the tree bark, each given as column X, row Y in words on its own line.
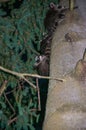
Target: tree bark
column 66, row 102
column 4, row 1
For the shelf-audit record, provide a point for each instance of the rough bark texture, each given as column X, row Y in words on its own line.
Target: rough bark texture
column 66, row 103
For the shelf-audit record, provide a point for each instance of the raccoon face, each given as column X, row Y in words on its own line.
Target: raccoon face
column 42, row 65
column 54, row 16
column 39, row 59
column 57, row 7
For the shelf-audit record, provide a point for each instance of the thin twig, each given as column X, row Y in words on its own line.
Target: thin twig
column 12, row 120
column 43, row 77
column 3, row 87
column 9, row 103
column 29, row 82
column 7, row 93
column 39, row 101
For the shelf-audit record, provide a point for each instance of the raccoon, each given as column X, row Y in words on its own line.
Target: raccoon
column 54, row 16
column 42, row 60
column 42, row 65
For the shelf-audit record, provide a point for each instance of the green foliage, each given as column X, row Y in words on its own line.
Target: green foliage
column 20, row 35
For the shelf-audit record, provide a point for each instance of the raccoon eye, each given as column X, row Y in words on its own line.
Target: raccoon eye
column 59, row 6
column 56, row 23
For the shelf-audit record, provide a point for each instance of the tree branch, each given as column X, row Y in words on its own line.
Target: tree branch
column 21, row 75
column 3, row 87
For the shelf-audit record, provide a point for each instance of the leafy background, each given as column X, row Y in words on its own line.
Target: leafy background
column 21, row 30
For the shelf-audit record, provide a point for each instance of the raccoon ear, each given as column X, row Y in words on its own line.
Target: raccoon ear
column 52, row 5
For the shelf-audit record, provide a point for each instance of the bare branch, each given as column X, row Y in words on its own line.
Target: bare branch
column 24, row 75
column 3, row 87
column 21, row 75
column 12, row 120
column 9, row 103
column 39, row 100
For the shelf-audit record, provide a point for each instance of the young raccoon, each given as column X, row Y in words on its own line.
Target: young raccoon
column 42, row 61
column 42, row 65
column 54, row 16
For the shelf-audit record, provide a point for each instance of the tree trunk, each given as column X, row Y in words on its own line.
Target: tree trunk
column 66, row 102
column 4, row 1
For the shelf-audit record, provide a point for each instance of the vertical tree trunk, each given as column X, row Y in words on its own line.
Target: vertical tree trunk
column 66, row 103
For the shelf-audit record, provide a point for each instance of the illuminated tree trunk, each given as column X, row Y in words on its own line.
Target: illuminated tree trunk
column 66, row 103
column 71, row 4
